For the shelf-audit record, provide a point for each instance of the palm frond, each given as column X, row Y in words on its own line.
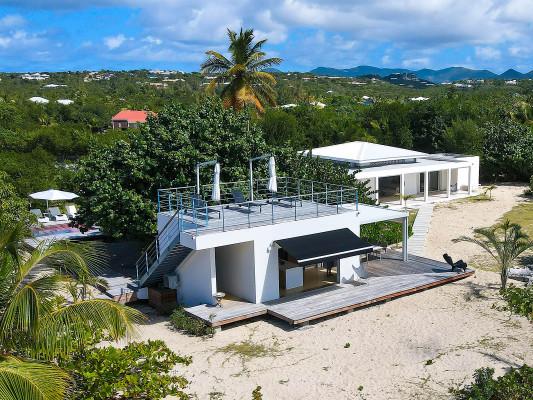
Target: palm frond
column 64, row 329
column 265, row 63
column 24, row 380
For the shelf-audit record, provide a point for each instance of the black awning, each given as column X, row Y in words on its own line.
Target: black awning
column 324, row 246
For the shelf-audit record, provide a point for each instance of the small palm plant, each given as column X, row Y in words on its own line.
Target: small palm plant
column 489, row 190
column 243, row 76
column 38, row 324
column 405, row 198
column 504, row 242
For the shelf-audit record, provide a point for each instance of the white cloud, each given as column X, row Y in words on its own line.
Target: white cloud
column 487, row 53
column 152, row 40
column 419, row 62
column 11, row 21
column 113, row 42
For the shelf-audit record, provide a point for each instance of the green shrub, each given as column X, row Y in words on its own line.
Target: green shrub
column 187, row 324
column 256, row 394
column 137, row 371
column 517, row 384
column 529, row 190
column 519, row 300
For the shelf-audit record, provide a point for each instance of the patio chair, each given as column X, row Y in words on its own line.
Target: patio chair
column 56, row 215
column 455, row 265
column 239, row 200
column 71, row 211
column 40, row 217
column 200, row 205
column 291, row 200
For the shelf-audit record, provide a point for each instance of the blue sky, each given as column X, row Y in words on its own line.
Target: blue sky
column 58, row 35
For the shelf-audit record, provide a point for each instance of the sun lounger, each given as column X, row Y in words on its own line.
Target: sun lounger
column 71, row 211
column 239, row 200
column 56, row 215
column 286, row 200
column 200, row 205
column 455, row 265
column 40, row 217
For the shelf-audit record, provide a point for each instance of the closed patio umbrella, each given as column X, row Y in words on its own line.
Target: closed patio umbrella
column 52, row 194
column 272, row 182
column 215, row 194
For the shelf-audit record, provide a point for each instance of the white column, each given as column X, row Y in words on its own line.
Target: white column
column 470, row 180
column 376, row 187
column 426, row 186
column 405, row 230
column 402, row 188
column 449, row 182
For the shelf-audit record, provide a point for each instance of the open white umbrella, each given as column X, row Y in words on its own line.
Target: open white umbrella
column 52, row 194
column 272, row 182
column 215, row 194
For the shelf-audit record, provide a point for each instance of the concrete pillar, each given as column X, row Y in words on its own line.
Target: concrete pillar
column 426, row 186
column 470, row 180
column 449, row 182
column 377, row 188
column 402, row 188
column 405, row 231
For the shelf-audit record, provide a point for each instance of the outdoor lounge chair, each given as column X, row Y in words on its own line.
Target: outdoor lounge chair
column 71, row 211
column 56, row 215
column 200, row 205
column 455, row 265
column 40, row 217
column 289, row 201
column 239, row 200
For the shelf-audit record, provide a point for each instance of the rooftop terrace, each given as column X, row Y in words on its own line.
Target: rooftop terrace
column 295, row 199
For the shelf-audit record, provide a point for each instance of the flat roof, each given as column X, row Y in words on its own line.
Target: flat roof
column 363, row 152
column 421, row 165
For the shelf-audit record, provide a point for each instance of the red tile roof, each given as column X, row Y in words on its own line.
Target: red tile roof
column 131, row 116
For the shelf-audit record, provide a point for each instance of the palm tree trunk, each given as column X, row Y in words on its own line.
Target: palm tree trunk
column 503, row 276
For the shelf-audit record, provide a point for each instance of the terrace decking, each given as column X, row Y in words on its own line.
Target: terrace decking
column 235, row 217
column 388, row 278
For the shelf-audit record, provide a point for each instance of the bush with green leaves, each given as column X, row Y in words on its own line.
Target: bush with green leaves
column 517, row 384
column 519, row 301
column 183, row 322
column 143, row 370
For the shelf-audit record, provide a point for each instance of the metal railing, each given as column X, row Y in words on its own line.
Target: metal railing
column 166, row 238
column 193, row 214
column 306, row 199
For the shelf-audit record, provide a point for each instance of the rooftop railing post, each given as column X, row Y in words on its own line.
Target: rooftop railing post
column 312, row 190
column 137, row 271
column 341, row 195
column 206, row 215
column 298, row 183
column 158, row 201
column 169, row 203
column 223, row 221
column 326, row 194
column 157, row 248
column 356, row 200
column 295, row 208
column 272, row 212
column 146, row 259
column 251, row 181
column 249, row 215
column 317, row 200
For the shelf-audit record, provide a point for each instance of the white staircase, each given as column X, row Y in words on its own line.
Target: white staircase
column 417, row 242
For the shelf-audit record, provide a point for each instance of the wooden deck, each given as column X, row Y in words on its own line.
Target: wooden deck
column 388, row 278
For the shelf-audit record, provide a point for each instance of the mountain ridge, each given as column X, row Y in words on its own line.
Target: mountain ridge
column 449, row 74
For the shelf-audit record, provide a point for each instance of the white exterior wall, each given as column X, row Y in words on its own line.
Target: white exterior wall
column 294, row 277
column 235, row 270
column 462, row 176
column 412, row 183
column 197, row 278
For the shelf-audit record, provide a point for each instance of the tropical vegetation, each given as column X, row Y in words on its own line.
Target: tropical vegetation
column 243, row 77
column 504, row 242
column 41, row 322
column 516, row 384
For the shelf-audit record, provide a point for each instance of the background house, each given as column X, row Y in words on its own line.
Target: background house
column 129, row 119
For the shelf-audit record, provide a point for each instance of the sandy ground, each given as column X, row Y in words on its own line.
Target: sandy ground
column 416, row 347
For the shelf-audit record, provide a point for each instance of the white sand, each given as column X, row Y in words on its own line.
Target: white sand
column 454, row 326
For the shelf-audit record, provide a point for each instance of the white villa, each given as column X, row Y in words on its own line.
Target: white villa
column 288, row 248
column 393, row 172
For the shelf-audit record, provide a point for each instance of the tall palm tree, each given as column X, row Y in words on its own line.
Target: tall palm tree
column 38, row 324
column 504, row 242
column 243, row 77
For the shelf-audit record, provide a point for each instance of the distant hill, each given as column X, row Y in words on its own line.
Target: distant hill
column 450, row 74
column 408, row 80
column 273, row 70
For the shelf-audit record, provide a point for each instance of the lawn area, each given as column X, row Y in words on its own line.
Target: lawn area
column 522, row 214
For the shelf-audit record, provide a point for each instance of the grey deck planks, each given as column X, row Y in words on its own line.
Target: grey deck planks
column 388, row 278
